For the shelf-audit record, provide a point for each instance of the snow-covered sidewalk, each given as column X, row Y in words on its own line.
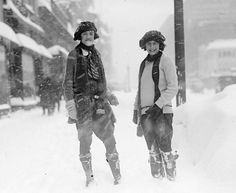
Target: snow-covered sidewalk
column 39, row 154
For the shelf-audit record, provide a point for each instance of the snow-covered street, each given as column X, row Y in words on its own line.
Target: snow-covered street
column 39, row 154
column 79, row 52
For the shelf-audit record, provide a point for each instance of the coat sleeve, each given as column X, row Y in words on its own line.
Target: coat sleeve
column 136, row 102
column 69, row 76
column 171, row 83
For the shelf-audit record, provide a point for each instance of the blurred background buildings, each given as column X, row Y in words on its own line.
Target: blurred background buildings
column 35, row 38
column 210, row 33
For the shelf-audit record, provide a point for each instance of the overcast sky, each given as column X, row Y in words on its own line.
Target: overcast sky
column 130, row 19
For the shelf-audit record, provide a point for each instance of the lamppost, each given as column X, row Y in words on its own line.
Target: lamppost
column 179, row 50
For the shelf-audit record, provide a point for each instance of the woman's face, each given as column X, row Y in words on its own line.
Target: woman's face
column 152, row 47
column 87, row 38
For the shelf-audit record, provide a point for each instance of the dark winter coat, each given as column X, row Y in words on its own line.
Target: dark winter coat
column 79, row 86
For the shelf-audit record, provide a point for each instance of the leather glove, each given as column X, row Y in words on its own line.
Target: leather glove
column 139, row 130
column 113, row 99
column 135, row 117
column 71, row 121
column 71, row 109
column 154, row 112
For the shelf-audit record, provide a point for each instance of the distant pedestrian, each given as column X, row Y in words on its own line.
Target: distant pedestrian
column 88, row 100
column 46, row 96
column 57, row 94
column 153, row 109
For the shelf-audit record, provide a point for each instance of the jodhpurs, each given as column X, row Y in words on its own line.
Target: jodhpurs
column 158, row 134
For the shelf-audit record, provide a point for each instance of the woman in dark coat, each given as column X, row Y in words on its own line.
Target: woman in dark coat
column 88, row 101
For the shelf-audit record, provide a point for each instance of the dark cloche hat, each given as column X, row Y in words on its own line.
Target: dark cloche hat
column 151, row 35
column 83, row 27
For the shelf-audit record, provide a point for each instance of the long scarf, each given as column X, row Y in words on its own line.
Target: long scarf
column 95, row 64
column 95, row 69
column 155, row 75
column 152, row 58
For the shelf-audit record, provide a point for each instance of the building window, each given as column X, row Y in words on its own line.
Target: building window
column 28, row 75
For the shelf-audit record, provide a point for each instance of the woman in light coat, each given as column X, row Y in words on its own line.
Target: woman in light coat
column 153, row 109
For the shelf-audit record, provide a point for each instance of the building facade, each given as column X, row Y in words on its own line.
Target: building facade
column 25, row 57
column 204, row 22
column 35, row 38
column 217, row 64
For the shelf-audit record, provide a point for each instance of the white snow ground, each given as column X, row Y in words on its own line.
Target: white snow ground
column 39, row 154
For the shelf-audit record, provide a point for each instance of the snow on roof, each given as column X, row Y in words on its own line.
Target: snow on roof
column 45, row 3
column 45, row 51
column 219, row 44
column 7, row 32
column 26, row 19
column 56, row 49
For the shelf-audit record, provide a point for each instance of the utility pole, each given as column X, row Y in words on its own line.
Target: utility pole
column 179, row 50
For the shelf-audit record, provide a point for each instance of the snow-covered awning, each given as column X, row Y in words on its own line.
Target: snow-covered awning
column 56, row 49
column 4, row 107
column 28, row 42
column 7, row 32
column 45, row 51
column 221, row 43
column 25, row 19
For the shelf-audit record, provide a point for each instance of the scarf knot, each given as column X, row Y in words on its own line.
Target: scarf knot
column 152, row 58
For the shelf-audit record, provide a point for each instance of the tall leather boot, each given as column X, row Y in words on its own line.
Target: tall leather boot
column 87, row 166
column 156, row 165
column 170, row 164
column 114, row 163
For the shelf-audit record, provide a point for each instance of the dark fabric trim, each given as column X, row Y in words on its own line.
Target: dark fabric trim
column 155, row 77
